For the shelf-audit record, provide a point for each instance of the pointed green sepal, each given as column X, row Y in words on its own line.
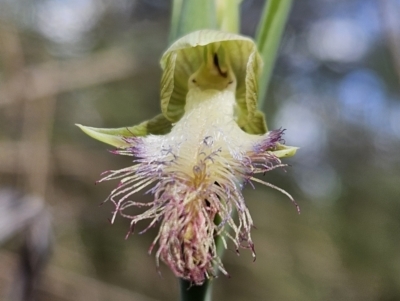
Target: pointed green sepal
column 108, row 136
column 285, row 151
column 157, row 126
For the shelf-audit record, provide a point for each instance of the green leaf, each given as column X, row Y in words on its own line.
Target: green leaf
column 268, row 38
column 228, row 15
column 175, row 17
column 191, row 15
column 159, row 125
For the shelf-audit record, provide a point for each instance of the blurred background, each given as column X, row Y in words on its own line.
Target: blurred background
column 335, row 90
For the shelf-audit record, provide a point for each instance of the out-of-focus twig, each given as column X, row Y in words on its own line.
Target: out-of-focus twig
column 52, row 78
column 34, row 255
column 16, row 212
column 37, row 119
column 64, row 160
column 10, row 50
column 26, row 215
column 37, row 124
column 12, row 57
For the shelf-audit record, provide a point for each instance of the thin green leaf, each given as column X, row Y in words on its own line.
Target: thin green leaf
column 228, row 15
column 192, row 15
column 175, row 17
column 268, row 38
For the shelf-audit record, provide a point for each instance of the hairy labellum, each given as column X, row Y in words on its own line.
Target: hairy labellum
column 196, row 173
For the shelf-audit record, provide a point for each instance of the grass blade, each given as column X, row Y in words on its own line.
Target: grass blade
column 192, row 15
column 268, row 38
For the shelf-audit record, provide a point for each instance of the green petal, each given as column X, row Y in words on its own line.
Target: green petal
column 185, row 57
column 253, row 125
column 157, row 126
column 285, row 151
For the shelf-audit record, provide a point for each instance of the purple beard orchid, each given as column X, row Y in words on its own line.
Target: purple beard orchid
column 196, row 169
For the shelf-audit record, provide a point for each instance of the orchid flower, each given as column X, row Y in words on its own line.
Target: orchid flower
column 196, row 157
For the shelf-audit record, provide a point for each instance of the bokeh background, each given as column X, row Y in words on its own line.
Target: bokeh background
column 335, row 90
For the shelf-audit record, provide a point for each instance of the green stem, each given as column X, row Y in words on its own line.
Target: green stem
column 190, row 292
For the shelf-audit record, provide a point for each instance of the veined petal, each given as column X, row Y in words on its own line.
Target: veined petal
column 183, row 58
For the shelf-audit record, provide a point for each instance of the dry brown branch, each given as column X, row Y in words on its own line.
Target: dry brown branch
column 37, row 119
column 11, row 50
column 79, row 162
column 64, row 159
column 52, row 78
column 37, row 126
